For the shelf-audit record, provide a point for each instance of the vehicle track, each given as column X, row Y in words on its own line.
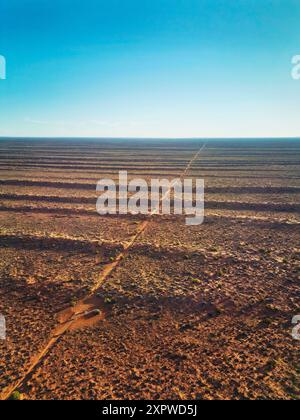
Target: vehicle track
column 68, row 318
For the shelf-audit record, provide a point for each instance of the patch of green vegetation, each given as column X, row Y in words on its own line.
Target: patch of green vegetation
column 109, row 301
column 197, row 281
column 73, row 301
column 222, row 271
column 16, row 396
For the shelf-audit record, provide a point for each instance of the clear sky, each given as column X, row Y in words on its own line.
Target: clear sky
column 149, row 68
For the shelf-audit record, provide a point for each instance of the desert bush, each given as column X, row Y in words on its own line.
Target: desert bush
column 16, row 396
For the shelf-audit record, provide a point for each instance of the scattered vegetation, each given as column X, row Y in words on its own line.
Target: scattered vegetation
column 109, row 300
column 73, row 301
column 16, row 396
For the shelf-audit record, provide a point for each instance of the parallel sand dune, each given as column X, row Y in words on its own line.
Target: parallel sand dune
column 183, row 311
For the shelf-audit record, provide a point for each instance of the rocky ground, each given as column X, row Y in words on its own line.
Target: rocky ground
column 187, row 312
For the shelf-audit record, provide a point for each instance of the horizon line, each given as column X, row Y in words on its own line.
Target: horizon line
column 151, row 138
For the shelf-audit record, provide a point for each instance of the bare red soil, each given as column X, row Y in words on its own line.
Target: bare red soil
column 181, row 311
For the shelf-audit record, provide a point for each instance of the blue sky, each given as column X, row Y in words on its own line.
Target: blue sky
column 149, row 68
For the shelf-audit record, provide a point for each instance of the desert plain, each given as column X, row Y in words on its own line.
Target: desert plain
column 180, row 312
